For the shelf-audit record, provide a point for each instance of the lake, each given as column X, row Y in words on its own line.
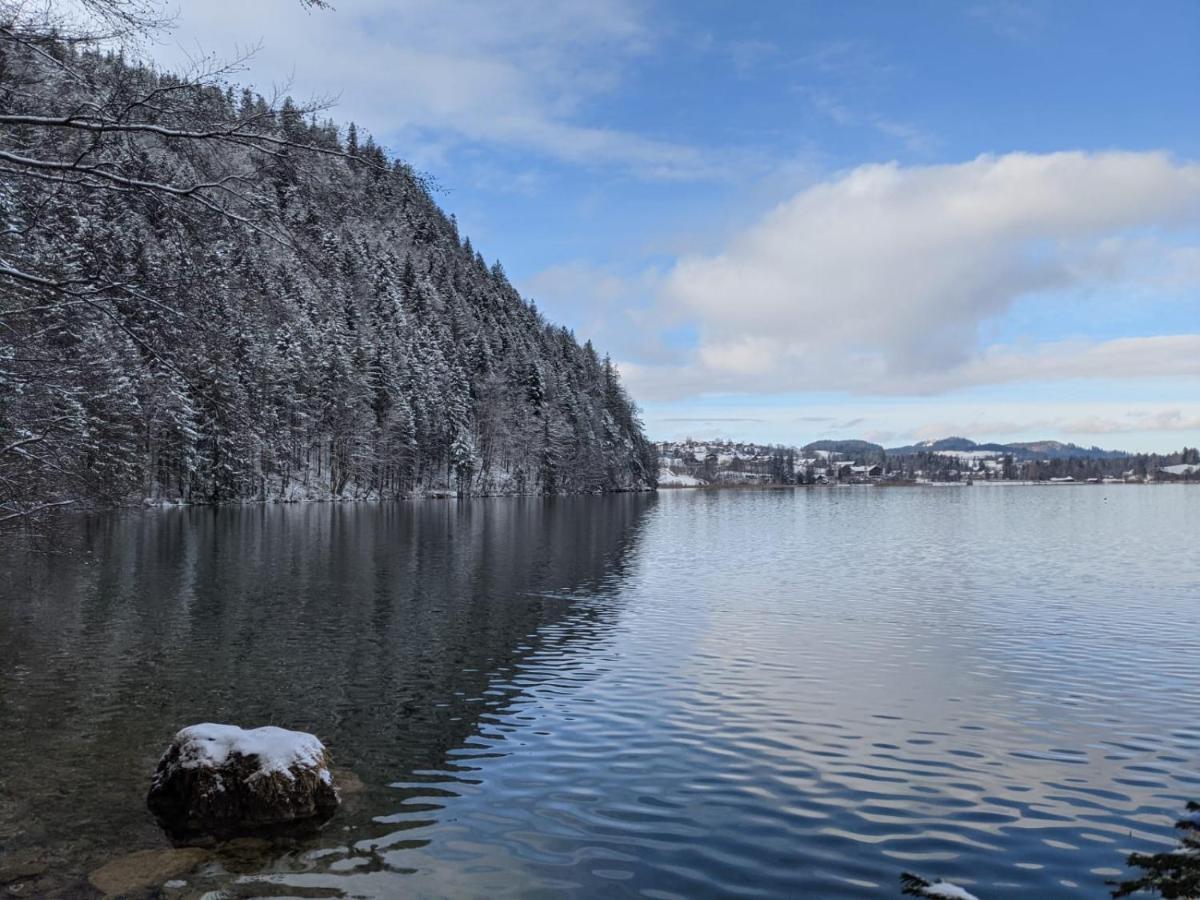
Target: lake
column 771, row 693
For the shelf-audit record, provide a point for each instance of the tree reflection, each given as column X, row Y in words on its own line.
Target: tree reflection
column 1174, row 873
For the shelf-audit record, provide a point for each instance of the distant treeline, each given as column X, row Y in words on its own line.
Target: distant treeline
column 827, row 461
column 1139, row 466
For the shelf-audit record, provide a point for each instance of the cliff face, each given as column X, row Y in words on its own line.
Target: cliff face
column 315, row 327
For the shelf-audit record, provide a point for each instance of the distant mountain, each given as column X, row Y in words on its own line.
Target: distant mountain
column 950, row 443
column 1019, row 451
column 849, row 448
column 1059, row 450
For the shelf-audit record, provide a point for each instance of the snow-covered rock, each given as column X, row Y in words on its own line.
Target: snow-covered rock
column 944, row 890
column 223, row 780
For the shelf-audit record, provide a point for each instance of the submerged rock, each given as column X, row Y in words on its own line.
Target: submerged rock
column 348, row 784
column 22, row 864
column 246, row 855
column 224, row 781
column 145, row 869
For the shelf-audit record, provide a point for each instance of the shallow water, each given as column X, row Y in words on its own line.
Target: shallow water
column 759, row 693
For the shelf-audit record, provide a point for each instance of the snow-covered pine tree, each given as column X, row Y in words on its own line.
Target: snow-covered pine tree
column 213, row 298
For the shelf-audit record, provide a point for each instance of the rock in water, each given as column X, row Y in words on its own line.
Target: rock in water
column 226, row 781
column 145, row 869
column 21, row 864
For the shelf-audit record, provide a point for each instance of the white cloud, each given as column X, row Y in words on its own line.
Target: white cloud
column 879, row 281
column 1010, row 19
column 913, row 138
column 1162, row 420
column 1096, row 426
column 1175, row 355
column 751, row 368
column 1093, row 425
column 512, row 72
column 607, row 307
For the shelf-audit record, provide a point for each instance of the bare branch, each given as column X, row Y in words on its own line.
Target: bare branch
column 31, row 511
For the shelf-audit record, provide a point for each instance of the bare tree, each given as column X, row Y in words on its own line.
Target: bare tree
column 78, row 123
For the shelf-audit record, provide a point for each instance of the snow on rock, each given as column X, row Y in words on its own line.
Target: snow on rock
column 226, row 781
column 944, row 890
column 276, row 750
column 916, row 886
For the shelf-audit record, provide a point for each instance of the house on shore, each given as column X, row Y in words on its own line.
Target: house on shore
column 1179, row 472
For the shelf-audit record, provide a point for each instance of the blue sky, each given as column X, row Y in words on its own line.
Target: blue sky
column 790, row 221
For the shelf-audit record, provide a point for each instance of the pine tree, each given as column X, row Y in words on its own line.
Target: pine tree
column 326, row 334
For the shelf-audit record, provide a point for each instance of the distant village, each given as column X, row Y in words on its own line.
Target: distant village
column 695, row 463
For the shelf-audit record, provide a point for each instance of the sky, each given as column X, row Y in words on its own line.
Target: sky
column 789, row 221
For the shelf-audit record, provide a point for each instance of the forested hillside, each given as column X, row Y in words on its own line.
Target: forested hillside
column 206, row 296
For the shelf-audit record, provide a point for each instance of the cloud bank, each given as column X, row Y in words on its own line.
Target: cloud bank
column 881, row 280
column 511, row 73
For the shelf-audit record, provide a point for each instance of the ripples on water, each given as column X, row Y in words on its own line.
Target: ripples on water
column 761, row 693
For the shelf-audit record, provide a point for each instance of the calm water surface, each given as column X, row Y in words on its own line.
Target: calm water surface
column 696, row 694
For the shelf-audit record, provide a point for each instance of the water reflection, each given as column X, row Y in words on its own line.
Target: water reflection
column 1172, row 873
column 784, row 693
column 805, row 694
column 389, row 630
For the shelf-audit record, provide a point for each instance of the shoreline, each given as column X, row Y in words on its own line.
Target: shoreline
column 922, row 484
